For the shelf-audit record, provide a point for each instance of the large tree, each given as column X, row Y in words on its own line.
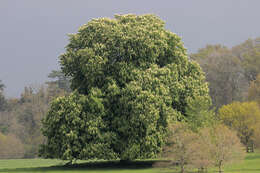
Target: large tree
column 131, row 78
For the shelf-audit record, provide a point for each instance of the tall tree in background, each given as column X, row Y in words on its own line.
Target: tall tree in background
column 2, row 97
column 130, row 77
column 249, row 54
column 254, row 90
column 1, row 86
column 32, row 107
column 22, row 118
column 224, row 74
column 60, row 80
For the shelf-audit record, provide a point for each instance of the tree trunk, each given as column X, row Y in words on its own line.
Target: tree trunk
column 182, row 168
column 219, row 167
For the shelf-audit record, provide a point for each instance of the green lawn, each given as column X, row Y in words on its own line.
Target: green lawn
column 250, row 165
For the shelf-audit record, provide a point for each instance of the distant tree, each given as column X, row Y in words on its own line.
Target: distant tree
column 251, row 60
column 179, row 148
column 1, row 86
column 5, row 122
column 251, row 63
column 256, row 137
column 224, row 73
column 26, row 118
column 210, row 146
column 249, row 53
column 60, row 80
column 138, row 78
column 2, row 102
column 21, row 117
column 2, row 97
column 225, row 146
column 10, row 147
column 254, row 90
column 202, row 150
column 53, row 91
column 242, row 117
column 241, row 49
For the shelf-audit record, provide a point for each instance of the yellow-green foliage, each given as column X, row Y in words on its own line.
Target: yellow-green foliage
column 243, row 117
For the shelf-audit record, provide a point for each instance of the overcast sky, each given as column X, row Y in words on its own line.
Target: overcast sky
column 33, row 33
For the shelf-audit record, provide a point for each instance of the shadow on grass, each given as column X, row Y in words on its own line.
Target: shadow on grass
column 91, row 165
column 253, row 157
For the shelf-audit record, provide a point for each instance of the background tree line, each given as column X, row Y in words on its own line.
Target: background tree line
column 20, row 118
column 231, row 72
column 233, row 75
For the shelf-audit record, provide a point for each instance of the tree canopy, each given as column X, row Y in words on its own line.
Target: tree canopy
column 251, row 60
column 131, row 78
column 243, row 117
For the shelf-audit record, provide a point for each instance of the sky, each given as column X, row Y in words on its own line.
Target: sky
column 34, row 33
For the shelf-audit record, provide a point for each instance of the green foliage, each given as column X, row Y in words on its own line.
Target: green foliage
column 143, row 78
column 200, row 114
column 243, row 117
column 79, row 131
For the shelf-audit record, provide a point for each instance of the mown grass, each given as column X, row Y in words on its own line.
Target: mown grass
column 251, row 164
column 57, row 166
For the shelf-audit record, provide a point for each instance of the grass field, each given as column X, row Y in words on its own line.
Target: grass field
column 251, row 164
